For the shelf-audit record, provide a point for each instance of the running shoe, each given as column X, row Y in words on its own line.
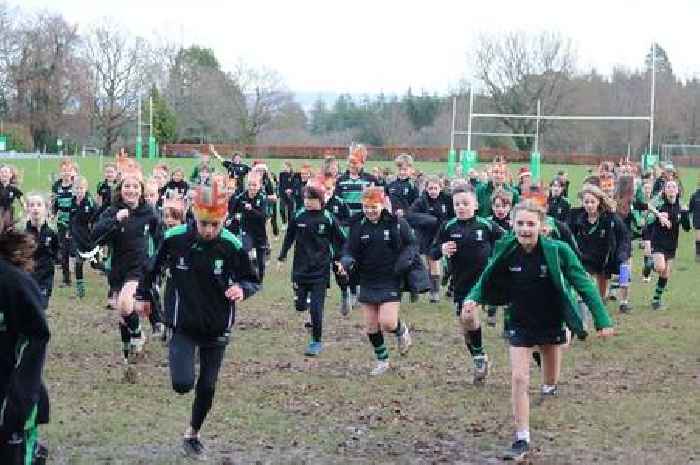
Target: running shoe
column 404, row 340
column 646, row 279
column 193, row 449
column 517, row 451
column 313, row 349
column 380, row 368
column 625, row 308
column 80, row 288
column 656, row 305
column 414, row 298
column 434, row 297
column 481, row 368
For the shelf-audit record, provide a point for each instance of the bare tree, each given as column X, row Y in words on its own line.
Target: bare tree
column 117, row 60
column 42, row 69
column 262, row 97
column 518, row 69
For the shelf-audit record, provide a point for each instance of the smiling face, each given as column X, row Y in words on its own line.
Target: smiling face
column 499, row 175
column 404, row 171
column 591, row 204
column 465, row 205
column 131, row 191
column 671, row 190
column 372, row 210
column 81, row 190
column 500, row 208
column 527, row 225
column 177, row 175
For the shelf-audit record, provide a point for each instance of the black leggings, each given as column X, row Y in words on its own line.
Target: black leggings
column 273, row 218
column 287, row 209
column 181, row 358
column 65, row 245
column 316, row 294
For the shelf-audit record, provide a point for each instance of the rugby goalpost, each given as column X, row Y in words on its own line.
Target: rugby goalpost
column 468, row 157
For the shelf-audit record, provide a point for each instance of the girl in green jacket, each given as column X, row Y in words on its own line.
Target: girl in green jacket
column 536, row 276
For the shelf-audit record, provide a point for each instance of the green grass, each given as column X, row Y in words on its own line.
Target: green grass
column 632, row 399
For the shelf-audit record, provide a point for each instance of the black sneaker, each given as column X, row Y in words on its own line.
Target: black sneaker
column 625, row 308
column 517, row 451
column 656, row 304
column 193, row 448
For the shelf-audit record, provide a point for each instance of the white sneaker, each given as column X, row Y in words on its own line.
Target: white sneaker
column 380, row 368
column 404, row 340
column 481, row 368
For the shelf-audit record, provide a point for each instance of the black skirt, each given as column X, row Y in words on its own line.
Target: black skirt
column 376, row 296
column 522, row 337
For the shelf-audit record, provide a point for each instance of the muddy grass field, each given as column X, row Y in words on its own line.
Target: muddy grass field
column 631, row 399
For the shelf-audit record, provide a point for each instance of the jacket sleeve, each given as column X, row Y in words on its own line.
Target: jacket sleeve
column 106, row 226
column 408, row 247
column 152, row 268
column 244, row 274
column 289, row 237
column 436, row 246
column 575, row 274
column 338, row 238
column 350, row 248
column 24, row 382
column 567, row 236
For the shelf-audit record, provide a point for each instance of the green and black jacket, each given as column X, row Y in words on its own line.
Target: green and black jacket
column 200, row 272
column 24, row 335
column 566, row 272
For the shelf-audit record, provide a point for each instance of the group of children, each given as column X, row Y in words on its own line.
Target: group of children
column 184, row 253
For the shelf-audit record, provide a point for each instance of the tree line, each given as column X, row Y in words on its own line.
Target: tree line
column 82, row 86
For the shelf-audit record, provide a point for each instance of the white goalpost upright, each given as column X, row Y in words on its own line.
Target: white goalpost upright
column 538, row 116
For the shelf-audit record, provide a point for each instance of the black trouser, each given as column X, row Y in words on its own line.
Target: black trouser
column 273, row 218
column 45, row 283
column 181, row 358
column 260, row 257
column 287, row 210
column 156, row 315
column 316, row 293
column 79, row 262
column 64, row 244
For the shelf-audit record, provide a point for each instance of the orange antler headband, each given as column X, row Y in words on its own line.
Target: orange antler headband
column 210, row 202
column 373, row 195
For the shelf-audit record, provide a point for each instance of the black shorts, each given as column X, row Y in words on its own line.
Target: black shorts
column 522, row 337
column 375, row 296
column 668, row 254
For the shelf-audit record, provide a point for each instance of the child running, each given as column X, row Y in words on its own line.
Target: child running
column 670, row 216
column 378, row 246
column 210, row 272
column 535, row 275
column 46, row 245
column 83, row 214
column 319, row 239
column 467, row 241
column 126, row 226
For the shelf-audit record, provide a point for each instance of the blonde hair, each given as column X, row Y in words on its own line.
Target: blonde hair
column 606, row 203
column 529, row 205
column 78, row 182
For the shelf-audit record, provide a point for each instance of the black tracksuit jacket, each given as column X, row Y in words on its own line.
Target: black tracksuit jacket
column 319, row 239
column 200, row 272
column 24, row 335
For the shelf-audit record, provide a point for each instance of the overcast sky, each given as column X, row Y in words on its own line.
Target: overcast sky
column 363, row 46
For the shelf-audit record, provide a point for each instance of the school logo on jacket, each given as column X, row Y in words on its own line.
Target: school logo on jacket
column 543, row 271
column 387, row 235
column 145, row 229
column 48, row 241
column 479, row 235
column 444, row 208
column 3, row 326
column 181, row 265
column 321, row 228
column 218, row 266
